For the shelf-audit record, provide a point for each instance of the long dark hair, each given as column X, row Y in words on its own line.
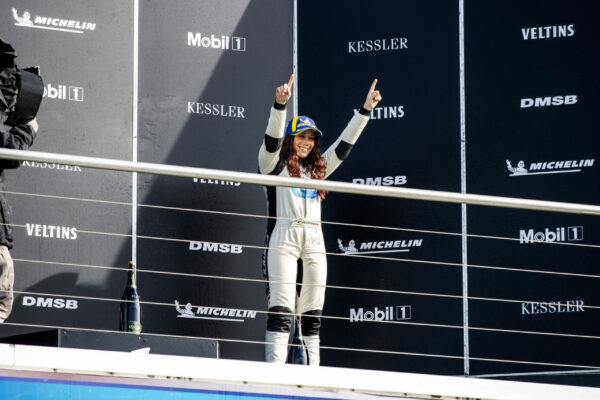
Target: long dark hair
column 314, row 163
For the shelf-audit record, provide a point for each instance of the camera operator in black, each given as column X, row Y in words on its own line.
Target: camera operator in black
column 17, row 137
column 13, row 135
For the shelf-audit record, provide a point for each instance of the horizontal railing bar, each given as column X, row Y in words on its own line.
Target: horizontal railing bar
column 270, row 180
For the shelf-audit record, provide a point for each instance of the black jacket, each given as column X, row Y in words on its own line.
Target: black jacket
column 17, row 137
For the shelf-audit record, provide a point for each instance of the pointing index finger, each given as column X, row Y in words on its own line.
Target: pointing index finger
column 373, row 85
column 291, row 81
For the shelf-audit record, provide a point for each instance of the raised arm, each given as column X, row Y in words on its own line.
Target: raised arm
column 340, row 149
column 268, row 155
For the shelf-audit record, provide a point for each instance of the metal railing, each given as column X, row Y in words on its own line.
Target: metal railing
column 332, row 186
column 270, row 180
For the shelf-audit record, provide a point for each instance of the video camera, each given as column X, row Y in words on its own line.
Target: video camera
column 21, row 90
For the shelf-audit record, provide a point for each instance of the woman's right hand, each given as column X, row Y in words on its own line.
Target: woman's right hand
column 284, row 92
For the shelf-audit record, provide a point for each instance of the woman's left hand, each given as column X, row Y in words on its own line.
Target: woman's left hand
column 373, row 97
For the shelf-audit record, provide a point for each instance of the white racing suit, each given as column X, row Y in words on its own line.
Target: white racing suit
column 296, row 235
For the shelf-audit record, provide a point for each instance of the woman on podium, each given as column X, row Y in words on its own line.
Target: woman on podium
column 293, row 150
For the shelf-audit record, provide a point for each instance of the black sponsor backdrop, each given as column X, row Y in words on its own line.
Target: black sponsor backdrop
column 97, row 65
column 172, row 73
column 503, row 68
column 421, row 147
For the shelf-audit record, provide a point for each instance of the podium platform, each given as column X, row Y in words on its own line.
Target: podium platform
column 113, row 341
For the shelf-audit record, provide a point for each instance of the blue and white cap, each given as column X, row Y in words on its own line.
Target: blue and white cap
column 301, row 123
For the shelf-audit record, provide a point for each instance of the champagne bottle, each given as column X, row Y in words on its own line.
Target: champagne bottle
column 297, row 353
column 131, row 313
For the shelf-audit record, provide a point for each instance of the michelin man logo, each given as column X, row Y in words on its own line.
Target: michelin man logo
column 520, row 170
column 350, row 249
column 184, row 312
column 51, row 23
column 384, row 246
column 24, row 20
column 549, row 167
column 214, row 313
